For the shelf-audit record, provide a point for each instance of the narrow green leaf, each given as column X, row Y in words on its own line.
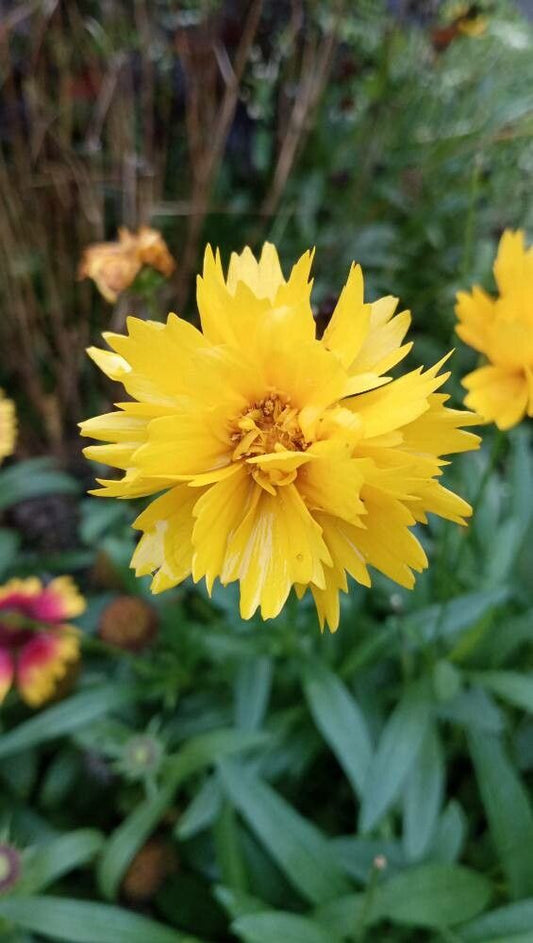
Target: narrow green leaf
column 448, row 840
column 432, row 895
column 508, row 811
column 236, row 903
column 511, row 686
column 9, row 544
column 66, row 717
column 201, row 811
column 340, row 721
column 126, row 840
column 513, row 923
column 273, row 926
column 31, row 479
column 473, row 708
column 345, row 915
column 423, row 795
column 76, row 921
column 450, row 619
column 52, row 859
column 397, row 749
column 229, row 855
column 252, row 691
column 298, row 847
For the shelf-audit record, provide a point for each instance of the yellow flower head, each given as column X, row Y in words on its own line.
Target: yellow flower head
column 113, row 266
column 284, row 460
column 502, row 329
column 8, row 426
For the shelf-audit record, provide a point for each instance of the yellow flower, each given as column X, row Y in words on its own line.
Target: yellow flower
column 502, row 329
column 8, row 426
column 284, row 460
column 113, row 266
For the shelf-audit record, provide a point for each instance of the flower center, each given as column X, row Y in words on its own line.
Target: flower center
column 268, row 425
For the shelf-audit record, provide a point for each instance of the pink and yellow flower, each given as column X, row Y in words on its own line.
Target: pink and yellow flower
column 37, row 645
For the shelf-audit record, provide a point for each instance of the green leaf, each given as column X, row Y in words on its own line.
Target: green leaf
column 357, row 855
column 236, row 903
column 513, row 923
column 126, row 840
column 33, row 478
column 51, row 860
column 473, row 708
column 9, row 545
column 449, row 836
column 431, row 895
column 340, row 721
column 298, row 847
column 345, row 915
column 76, row 921
column 399, row 744
column 252, row 691
column 274, row 926
column 510, row 685
column 507, row 809
column 423, row 795
column 66, row 717
column 201, row 811
column 450, row 619
column 228, row 849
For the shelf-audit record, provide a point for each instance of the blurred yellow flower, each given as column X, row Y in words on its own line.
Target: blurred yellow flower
column 37, row 646
column 286, row 460
column 113, row 266
column 8, row 426
column 502, row 329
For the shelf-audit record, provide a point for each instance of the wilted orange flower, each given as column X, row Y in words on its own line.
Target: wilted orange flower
column 113, row 266
column 36, row 645
column 502, row 329
column 8, row 426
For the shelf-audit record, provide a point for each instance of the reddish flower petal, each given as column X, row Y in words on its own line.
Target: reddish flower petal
column 7, row 670
column 57, row 601
column 43, row 662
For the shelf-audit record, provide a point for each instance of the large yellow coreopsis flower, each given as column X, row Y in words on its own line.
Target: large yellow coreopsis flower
column 285, row 460
column 502, row 329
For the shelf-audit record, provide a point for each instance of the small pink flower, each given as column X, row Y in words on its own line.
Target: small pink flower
column 36, row 644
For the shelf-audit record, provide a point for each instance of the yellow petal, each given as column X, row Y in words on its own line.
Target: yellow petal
column 382, row 348
column 217, row 514
column 115, row 367
column 476, row 313
column 165, row 547
column 350, row 320
column 399, row 403
column 497, row 395
column 514, row 263
column 276, row 545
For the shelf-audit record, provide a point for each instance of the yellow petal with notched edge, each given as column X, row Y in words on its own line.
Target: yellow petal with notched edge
column 165, row 549
column 277, row 544
column 350, row 320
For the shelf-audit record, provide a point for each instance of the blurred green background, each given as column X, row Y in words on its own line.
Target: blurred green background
column 250, row 781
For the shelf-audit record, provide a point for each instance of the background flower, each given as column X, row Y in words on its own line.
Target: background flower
column 8, row 426
column 36, row 644
column 113, row 266
column 502, row 329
